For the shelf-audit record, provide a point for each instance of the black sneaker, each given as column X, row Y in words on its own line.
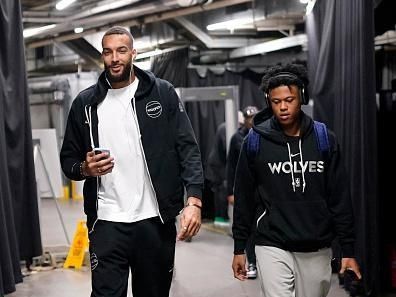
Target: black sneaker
column 251, row 271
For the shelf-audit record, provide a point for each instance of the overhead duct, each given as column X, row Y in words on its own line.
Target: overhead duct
column 269, row 46
column 48, row 100
column 43, row 85
column 208, row 40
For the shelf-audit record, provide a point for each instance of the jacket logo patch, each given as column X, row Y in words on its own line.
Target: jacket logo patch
column 153, row 109
column 94, row 261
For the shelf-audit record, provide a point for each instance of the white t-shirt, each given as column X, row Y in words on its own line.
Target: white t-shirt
column 126, row 194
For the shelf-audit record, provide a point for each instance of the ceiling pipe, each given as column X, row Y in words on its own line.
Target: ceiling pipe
column 104, row 6
column 44, row 14
column 41, row 20
column 107, row 6
column 106, row 21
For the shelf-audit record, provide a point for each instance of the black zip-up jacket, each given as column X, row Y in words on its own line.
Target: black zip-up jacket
column 170, row 148
column 297, row 197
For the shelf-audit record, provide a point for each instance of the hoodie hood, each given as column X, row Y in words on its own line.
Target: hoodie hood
column 146, row 83
column 267, row 125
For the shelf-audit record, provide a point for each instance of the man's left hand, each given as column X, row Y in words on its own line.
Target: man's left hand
column 190, row 218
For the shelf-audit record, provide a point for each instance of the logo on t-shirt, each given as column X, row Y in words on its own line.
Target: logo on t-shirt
column 153, row 109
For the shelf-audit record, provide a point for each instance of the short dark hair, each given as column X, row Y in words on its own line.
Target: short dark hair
column 118, row 30
column 272, row 78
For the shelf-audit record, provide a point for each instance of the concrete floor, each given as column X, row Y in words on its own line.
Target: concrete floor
column 203, row 266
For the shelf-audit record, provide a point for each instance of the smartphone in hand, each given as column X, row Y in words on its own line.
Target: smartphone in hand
column 99, row 150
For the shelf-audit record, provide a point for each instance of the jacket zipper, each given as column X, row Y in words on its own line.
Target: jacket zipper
column 88, row 115
column 97, row 206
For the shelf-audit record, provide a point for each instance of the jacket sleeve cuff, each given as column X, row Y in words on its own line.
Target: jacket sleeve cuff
column 76, row 171
column 239, row 247
column 348, row 250
column 194, row 191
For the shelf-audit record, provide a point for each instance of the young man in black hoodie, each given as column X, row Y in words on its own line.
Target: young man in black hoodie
column 302, row 192
column 134, row 184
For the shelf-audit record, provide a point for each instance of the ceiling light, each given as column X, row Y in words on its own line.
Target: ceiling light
column 63, row 4
column 304, row 1
column 142, row 43
column 310, row 6
column 34, row 31
column 230, row 25
column 78, row 30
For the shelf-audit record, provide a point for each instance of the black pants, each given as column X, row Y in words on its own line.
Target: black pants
column 146, row 247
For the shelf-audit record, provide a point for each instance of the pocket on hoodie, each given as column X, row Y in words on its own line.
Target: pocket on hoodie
column 300, row 221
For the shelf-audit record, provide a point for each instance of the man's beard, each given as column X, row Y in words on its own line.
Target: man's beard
column 124, row 76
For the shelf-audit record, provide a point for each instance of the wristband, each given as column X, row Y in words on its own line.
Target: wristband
column 193, row 204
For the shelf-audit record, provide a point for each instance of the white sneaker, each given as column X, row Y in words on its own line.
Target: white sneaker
column 221, row 222
column 251, row 271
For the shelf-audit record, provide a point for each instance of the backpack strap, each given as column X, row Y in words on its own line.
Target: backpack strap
column 253, row 143
column 322, row 138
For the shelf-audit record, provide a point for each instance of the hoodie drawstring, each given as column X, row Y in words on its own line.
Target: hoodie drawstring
column 88, row 115
column 292, row 167
column 302, row 167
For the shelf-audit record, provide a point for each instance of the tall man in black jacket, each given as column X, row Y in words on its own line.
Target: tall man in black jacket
column 303, row 195
column 134, row 184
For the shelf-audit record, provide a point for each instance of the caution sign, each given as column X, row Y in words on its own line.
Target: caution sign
column 75, row 257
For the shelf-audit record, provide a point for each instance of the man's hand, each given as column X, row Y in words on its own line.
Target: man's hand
column 190, row 219
column 239, row 267
column 97, row 165
column 350, row 264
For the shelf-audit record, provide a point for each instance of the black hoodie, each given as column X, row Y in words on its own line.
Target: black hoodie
column 170, row 148
column 299, row 210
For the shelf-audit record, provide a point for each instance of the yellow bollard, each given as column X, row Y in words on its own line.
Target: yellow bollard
column 75, row 194
column 66, row 193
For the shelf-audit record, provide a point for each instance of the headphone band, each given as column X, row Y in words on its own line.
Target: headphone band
column 290, row 76
column 286, row 74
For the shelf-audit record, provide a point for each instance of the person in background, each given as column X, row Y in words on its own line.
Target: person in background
column 232, row 160
column 216, row 175
column 135, row 183
column 303, row 195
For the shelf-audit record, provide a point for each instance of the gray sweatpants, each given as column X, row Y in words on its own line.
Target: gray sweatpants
column 290, row 274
